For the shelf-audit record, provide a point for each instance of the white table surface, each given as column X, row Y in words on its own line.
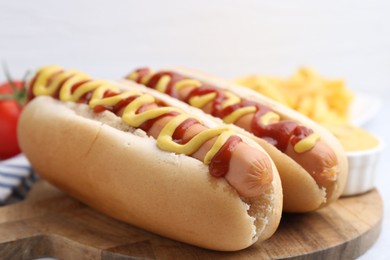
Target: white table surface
column 348, row 39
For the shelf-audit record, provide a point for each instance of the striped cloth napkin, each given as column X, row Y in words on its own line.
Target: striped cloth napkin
column 16, row 179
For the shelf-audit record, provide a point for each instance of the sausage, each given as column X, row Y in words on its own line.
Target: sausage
column 249, row 170
column 319, row 160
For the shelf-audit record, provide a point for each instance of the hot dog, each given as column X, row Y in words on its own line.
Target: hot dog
column 137, row 157
column 311, row 162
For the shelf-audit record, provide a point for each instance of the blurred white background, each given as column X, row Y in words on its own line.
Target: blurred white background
column 340, row 39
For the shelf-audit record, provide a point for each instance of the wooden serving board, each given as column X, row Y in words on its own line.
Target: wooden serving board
column 50, row 223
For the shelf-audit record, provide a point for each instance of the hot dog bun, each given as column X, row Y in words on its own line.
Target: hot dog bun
column 119, row 171
column 301, row 191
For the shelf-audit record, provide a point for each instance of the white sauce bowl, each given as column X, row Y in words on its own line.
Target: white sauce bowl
column 362, row 170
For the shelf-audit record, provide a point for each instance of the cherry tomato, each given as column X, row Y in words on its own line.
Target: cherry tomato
column 9, row 115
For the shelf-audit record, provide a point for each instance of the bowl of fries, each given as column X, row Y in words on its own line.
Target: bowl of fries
column 321, row 99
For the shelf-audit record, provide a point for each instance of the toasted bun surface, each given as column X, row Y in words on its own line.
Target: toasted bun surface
column 300, row 191
column 124, row 175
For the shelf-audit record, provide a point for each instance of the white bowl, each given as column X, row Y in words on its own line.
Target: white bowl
column 362, row 170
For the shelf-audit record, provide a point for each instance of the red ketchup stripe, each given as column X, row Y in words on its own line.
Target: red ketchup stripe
column 182, row 128
column 85, row 97
column 220, row 97
column 219, row 165
column 141, row 72
column 170, row 90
